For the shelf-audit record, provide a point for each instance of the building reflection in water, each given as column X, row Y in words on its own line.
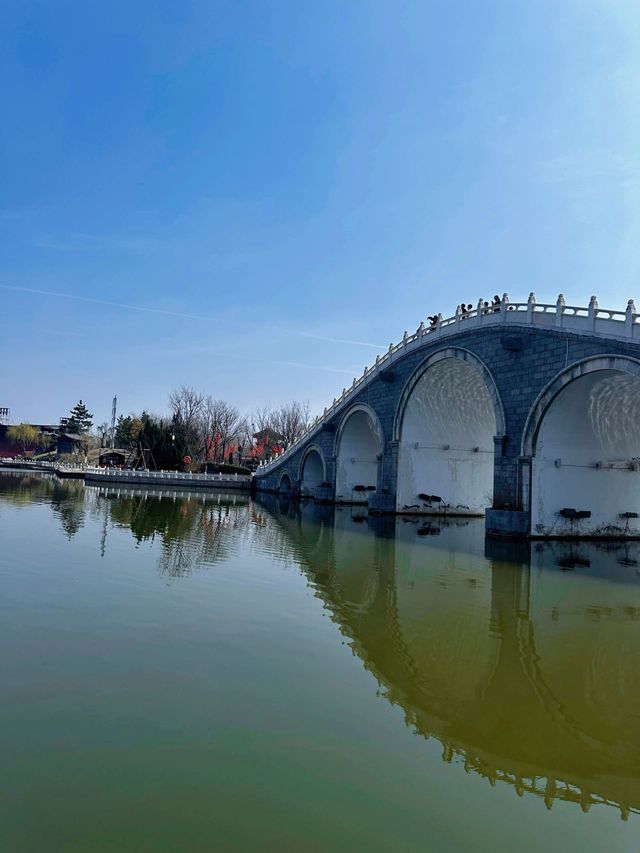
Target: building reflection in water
column 522, row 660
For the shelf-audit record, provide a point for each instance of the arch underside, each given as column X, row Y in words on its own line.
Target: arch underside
column 586, row 458
column 446, row 446
column 357, row 458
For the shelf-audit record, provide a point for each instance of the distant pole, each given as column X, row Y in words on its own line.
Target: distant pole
column 113, row 423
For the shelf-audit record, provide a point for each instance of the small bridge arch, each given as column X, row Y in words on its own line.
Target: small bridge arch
column 313, row 470
column 285, row 484
column 358, row 449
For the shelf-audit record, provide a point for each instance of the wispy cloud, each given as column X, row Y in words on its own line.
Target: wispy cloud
column 91, row 299
column 592, row 167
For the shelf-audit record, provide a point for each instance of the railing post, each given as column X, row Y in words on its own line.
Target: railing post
column 457, row 317
column 480, row 311
column 438, row 324
column 505, row 306
column 421, row 329
column 593, row 312
column 531, row 301
column 629, row 316
column 404, row 338
column 560, row 303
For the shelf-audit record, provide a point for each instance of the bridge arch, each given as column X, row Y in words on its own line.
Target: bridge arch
column 582, row 440
column 313, row 469
column 285, row 484
column 358, row 449
column 446, row 423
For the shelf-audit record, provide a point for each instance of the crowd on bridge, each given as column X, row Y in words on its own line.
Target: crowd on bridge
column 466, row 309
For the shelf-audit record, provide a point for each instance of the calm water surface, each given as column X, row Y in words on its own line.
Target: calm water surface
column 189, row 673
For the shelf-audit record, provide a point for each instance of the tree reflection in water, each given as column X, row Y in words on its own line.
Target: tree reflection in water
column 194, row 529
column 66, row 497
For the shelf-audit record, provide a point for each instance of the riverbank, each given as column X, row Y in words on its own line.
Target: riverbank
column 163, row 479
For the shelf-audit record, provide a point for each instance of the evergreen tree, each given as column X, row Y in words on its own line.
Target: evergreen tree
column 129, row 430
column 124, row 432
column 80, row 419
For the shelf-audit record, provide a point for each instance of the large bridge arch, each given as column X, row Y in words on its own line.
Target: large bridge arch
column 313, row 469
column 582, row 440
column 358, row 449
column 446, row 423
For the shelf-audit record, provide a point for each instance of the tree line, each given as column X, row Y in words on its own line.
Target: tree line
column 201, row 428
column 198, row 429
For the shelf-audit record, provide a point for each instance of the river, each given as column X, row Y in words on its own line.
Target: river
column 189, row 672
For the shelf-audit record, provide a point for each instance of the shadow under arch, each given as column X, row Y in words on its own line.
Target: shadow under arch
column 358, row 450
column 581, row 451
column 447, row 426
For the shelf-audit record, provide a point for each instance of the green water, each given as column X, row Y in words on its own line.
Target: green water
column 189, row 673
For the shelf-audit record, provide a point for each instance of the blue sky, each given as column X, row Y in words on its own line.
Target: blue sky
column 278, row 187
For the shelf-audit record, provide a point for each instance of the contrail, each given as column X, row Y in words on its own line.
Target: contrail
column 314, row 367
column 339, row 340
column 103, row 302
column 165, row 313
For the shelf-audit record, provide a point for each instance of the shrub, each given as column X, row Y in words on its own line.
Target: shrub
column 224, row 468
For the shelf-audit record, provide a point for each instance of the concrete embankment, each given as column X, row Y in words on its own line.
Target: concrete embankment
column 169, row 478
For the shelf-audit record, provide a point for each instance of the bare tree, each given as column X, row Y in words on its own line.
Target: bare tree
column 103, row 433
column 261, row 419
column 186, row 406
column 245, row 438
column 221, row 424
column 291, row 420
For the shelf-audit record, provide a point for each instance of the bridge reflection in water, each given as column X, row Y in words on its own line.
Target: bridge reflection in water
column 523, row 659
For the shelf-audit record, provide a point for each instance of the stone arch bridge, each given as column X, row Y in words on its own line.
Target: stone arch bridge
column 527, row 413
